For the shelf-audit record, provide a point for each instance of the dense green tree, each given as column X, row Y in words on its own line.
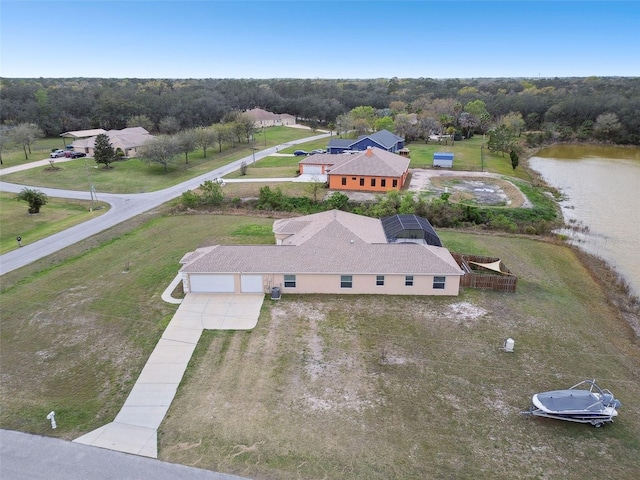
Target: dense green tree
column 211, row 193
column 169, row 125
column 607, row 126
column 338, row 201
column 35, row 199
column 384, row 123
column 103, row 152
column 514, row 159
column 501, row 139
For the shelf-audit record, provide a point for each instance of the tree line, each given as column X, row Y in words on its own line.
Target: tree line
column 568, row 109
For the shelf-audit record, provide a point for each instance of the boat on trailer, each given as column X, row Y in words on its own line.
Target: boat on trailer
column 585, row 402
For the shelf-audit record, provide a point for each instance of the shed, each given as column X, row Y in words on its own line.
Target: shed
column 443, row 159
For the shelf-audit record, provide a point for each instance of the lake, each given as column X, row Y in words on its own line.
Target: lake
column 601, row 189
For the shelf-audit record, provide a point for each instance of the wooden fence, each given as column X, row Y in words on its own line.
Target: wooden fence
column 478, row 277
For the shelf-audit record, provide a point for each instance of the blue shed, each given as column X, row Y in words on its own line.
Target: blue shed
column 443, row 159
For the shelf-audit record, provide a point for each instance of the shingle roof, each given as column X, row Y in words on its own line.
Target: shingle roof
column 384, row 138
column 325, row 243
column 333, row 223
column 340, row 255
column 83, row 133
column 131, row 137
column 340, row 143
column 379, row 163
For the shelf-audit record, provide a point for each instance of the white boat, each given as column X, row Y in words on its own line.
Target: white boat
column 577, row 404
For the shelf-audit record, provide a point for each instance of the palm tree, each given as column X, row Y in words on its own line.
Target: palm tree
column 468, row 122
column 35, row 198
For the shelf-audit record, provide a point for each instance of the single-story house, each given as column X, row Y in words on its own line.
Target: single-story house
column 263, row 118
column 127, row 141
column 382, row 139
column 80, row 134
column 372, row 170
column 330, row 252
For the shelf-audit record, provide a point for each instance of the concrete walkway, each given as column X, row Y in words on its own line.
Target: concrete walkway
column 135, row 428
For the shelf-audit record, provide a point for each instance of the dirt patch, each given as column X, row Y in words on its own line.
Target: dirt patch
column 489, row 190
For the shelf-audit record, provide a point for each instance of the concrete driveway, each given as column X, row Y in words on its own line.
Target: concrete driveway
column 135, row 428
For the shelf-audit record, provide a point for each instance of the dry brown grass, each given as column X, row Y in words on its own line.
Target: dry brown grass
column 413, row 387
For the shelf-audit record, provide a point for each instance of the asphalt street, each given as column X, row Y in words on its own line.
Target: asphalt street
column 33, row 457
column 123, row 207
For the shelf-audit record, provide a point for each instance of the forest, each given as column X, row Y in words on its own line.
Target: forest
column 564, row 109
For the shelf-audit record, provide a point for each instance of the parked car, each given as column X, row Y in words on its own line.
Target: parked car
column 299, row 153
column 78, row 154
column 57, row 154
column 317, row 150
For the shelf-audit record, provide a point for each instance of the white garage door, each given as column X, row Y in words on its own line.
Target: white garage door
column 212, row 284
column 312, row 169
column 251, row 284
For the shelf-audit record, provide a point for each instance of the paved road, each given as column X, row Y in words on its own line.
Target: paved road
column 123, row 207
column 32, row 457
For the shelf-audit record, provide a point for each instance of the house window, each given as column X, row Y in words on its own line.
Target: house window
column 362, row 182
column 438, row 283
column 290, row 281
column 395, row 182
column 344, row 180
column 353, row 179
column 408, row 281
column 383, row 182
column 373, row 182
column 380, row 280
column 346, row 281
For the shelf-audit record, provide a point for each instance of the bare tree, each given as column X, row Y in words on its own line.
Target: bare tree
column 25, row 134
column 162, row 150
column 206, row 137
column 5, row 140
column 186, row 142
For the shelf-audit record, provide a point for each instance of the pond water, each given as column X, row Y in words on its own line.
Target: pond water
column 601, row 189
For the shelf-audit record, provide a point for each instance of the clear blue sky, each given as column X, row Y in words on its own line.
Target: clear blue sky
column 318, row 39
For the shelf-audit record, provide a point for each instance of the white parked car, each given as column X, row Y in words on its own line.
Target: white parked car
column 57, row 154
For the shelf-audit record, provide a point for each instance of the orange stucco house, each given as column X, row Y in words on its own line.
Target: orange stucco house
column 372, row 170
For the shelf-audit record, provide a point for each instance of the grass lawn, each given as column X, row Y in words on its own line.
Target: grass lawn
column 328, row 386
column 13, row 156
column 134, row 176
column 57, row 215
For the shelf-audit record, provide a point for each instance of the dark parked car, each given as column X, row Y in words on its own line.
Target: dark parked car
column 299, row 153
column 77, row 154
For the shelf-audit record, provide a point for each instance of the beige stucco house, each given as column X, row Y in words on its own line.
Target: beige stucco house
column 331, row 252
column 127, row 140
column 263, row 118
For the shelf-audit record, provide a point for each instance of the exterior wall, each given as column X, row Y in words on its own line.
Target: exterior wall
column 366, row 284
column 353, row 183
column 367, row 142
